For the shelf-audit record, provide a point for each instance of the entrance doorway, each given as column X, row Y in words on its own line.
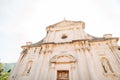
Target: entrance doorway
column 63, row 75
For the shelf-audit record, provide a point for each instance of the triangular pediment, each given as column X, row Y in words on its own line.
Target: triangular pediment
column 65, row 23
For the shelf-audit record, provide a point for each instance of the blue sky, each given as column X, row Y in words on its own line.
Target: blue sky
column 26, row 20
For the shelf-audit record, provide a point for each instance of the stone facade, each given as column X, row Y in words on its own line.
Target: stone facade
column 69, row 53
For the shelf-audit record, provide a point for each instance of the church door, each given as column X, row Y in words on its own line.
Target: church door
column 63, row 75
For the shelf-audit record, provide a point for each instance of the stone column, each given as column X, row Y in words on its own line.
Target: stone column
column 82, row 66
column 95, row 51
column 39, row 62
column 35, row 64
column 74, row 71
column 45, row 66
column 90, row 63
column 52, row 72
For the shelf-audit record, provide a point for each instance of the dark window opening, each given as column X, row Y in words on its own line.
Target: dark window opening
column 28, row 71
column 64, row 36
column 119, row 48
column 104, row 69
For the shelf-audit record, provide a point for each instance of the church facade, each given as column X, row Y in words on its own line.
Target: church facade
column 69, row 53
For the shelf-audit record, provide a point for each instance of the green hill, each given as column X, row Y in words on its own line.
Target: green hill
column 7, row 66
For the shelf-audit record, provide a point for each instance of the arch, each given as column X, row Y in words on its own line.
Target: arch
column 62, row 59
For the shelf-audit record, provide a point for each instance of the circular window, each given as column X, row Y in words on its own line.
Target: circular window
column 64, row 36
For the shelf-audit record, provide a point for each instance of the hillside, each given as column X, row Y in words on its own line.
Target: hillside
column 7, row 66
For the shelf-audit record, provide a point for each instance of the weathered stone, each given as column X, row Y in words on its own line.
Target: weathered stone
column 69, row 53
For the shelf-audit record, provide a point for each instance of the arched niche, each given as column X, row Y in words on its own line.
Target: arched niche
column 106, row 65
column 28, row 68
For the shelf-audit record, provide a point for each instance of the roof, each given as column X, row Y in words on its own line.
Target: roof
column 95, row 39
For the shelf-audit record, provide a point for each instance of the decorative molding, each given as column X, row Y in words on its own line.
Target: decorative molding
column 63, row 59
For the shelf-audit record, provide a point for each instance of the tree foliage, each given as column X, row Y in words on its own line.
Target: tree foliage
column 1, row 69
column 4, row 75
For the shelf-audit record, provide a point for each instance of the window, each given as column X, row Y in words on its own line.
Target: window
column 64, row 36
column 63, row 75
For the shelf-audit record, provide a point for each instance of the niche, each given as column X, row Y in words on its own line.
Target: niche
column 28, row 68
column 106, row 65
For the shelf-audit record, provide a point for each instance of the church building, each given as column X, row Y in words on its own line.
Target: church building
column 67, row 52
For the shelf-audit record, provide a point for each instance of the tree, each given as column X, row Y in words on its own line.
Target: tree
column 3, row 75
column 1, row 70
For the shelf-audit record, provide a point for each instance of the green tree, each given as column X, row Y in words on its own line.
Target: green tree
column 0, row 65
column 3, row 75
column 1, row 70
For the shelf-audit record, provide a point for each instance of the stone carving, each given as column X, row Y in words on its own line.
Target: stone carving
column 62, row 58
column 68, row 53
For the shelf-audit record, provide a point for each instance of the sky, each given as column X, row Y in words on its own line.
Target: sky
column 26, row 20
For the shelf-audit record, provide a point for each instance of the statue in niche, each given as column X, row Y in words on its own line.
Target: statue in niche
column 106, row 66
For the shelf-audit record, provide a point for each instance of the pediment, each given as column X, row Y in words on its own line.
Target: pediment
column 65, row 23
column 62, row 59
